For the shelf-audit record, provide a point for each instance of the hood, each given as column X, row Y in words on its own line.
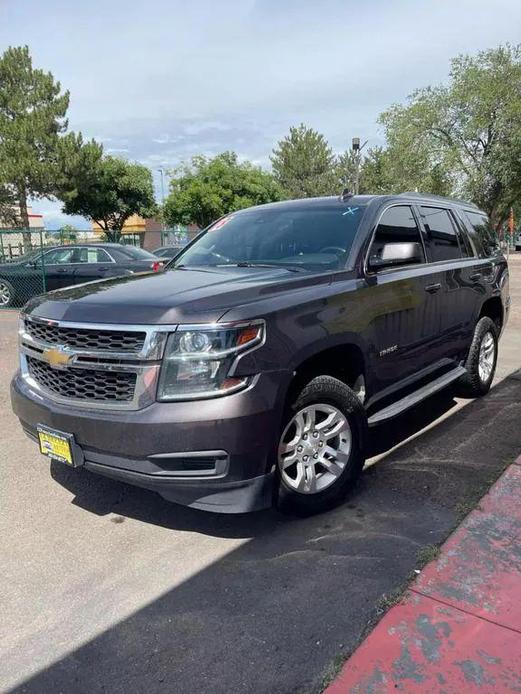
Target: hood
column 183, row 295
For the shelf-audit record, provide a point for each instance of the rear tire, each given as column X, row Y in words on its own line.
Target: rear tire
column 321, row 447
column 481, row 360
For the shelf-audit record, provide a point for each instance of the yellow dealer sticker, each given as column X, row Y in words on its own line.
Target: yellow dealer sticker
column 55, row 445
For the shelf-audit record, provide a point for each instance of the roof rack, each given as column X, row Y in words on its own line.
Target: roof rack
column 440, row 198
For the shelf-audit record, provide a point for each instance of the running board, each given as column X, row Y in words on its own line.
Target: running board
column 414, row 398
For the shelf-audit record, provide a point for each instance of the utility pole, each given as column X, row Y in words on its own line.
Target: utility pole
column 357, row 148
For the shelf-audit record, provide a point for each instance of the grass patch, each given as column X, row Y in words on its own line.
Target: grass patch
column 426, row 554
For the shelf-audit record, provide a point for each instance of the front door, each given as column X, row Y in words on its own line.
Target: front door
column 403, row 308
column 58, row 267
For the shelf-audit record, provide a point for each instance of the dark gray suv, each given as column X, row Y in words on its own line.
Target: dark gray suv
column 253, row 368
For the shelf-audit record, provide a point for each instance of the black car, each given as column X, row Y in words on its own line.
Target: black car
column 255, row 367
column 168, row 252
column 57, row 267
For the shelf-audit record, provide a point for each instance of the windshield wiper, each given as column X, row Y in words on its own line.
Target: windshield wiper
column 246, row 263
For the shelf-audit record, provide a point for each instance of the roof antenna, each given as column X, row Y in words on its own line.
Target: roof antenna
column 346, row 194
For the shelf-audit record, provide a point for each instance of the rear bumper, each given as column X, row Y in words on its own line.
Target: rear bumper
column 213, row 455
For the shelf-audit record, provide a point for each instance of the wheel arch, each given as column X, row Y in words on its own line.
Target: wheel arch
column 493, row 309
column 342, row 361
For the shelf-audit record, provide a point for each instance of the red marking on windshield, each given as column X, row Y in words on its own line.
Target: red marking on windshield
column 220, row 223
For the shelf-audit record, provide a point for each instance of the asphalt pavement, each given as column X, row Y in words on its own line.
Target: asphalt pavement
column 108, row 588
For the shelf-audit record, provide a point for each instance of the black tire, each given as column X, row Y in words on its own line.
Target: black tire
column 325, row 390
column 6, row 289
column 472, row 385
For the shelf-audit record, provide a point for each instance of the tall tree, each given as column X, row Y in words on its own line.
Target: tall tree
column 465, row 134
column 304, row 164
column 207, row 188
column 32, row 116
column 104, row 189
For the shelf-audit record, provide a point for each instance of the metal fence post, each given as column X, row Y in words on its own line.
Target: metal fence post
column 43, row 263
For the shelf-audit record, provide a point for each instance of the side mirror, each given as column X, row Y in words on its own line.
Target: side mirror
column 392, row 254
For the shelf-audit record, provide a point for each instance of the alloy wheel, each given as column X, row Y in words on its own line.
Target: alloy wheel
column 487, row 355
column 5, row 294
column 314, row 448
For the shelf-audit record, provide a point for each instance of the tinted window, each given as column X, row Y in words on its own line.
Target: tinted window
column 443, row 240
column 396, row 227
column 464, row 242
column 310, row 237
column 91, row 255
column 482, row 234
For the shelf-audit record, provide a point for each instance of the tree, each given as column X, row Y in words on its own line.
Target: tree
column 8, row 210
column 466, row 135
column 207, row 188
column 32, row 116
column 304, row 164
column 104, row 189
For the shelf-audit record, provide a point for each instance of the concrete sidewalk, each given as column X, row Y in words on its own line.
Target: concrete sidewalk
column 458, row 628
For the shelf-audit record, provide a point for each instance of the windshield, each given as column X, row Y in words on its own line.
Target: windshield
column 310, row 238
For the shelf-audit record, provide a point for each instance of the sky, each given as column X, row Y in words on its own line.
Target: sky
column 159, row 81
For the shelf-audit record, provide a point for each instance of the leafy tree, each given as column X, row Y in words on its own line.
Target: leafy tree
column 104, row 189
column 207, row 188
column 466, row 134
column 304, row 164
column 32, row 116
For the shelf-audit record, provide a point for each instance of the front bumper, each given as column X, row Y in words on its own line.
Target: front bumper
column 209, row 454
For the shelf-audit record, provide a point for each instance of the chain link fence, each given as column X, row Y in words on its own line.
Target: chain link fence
column 22, row 266
column 28, row 266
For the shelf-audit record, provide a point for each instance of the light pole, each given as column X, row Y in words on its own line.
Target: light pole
column 357, row 148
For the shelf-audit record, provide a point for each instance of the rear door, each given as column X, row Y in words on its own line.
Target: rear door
column 454, row 265
column 404, row 311
column 94, row 263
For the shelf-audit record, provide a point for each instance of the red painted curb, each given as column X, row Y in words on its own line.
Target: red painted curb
column 458, row 629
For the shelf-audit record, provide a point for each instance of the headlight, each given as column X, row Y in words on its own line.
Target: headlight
column 197, row 361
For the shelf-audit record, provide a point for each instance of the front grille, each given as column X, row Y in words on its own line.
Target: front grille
column 84, row 384
column 87, row 339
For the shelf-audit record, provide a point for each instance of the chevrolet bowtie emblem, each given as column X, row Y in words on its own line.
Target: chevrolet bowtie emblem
column 57, row 357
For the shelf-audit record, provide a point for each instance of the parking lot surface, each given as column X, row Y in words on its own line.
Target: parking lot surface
column 108, row 588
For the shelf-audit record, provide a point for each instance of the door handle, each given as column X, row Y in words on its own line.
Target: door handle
column 475, row 277
column 433, row 288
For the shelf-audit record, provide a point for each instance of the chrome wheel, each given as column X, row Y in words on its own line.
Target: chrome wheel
column 487, row 355
column 5, row 294
column 314, row 448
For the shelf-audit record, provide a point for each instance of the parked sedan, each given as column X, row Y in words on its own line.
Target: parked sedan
column 63, row 266
column 168, row 252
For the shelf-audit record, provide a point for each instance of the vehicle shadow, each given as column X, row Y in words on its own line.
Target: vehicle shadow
column 104, row 496
column 271, row 615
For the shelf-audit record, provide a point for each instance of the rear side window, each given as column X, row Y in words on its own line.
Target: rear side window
column 482, row 234
column 397, row 228
column 91, row 255
column 443, row 240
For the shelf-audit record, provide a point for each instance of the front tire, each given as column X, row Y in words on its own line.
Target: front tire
column 481, row 361
column 320, row 450
column 6, row 294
